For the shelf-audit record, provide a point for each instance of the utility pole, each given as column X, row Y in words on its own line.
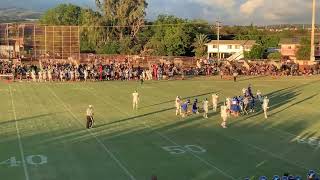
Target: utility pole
column 218, row 38
column 312, row 58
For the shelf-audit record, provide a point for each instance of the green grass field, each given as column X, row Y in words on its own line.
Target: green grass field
column 43, row 135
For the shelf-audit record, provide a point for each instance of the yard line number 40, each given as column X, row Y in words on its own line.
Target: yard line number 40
column 34, row 160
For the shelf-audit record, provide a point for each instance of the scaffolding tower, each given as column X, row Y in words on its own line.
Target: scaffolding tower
column 35, row 42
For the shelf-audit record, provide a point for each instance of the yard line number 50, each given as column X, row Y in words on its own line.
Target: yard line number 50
column 34, row 160
column 184, row 149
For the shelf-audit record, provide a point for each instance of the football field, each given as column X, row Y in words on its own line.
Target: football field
column 43, row 135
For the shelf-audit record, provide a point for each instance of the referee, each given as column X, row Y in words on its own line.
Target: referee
column 90, row 120
column 235, row 75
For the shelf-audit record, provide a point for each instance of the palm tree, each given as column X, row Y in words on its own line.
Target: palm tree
column 199, row 45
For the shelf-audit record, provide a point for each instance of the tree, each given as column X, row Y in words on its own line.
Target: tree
column 304, row 50
column 172, row 36
column 93, row 35
column 111, row 47
column 128, row 16
column 275, row 55
column 269, row 41
column 200, row 45
column 63, row 14
column 264, row 40
column 255, row 53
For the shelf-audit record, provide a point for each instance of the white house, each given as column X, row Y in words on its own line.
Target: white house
column 229, row 49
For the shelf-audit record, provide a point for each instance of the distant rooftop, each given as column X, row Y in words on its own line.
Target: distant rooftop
column 290, row 40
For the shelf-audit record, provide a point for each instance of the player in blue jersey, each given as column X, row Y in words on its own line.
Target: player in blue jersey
column 184, row 108
column 235, row 108
column 249, row 91
column 195, row 109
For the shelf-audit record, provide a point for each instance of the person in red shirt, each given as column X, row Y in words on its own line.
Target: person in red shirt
column 155, row 72
column 100, row 72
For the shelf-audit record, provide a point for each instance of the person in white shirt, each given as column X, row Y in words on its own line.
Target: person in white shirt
column 61, row 75
column 71, row 75
column 265, row 106
column 77, row 75
column 135, row 102
column 224, row 116
column 50, row 75
column 90, row 120
column 85, row 75
column 178, row 106
column 33, row 76
column 215, row 99
column 149, row 75
column 40, row 76
column 205, row 108
column 44, row 76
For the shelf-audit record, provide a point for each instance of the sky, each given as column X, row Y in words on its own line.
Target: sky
column 231, row 12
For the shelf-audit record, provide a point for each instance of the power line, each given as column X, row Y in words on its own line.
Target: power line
column 115, row 26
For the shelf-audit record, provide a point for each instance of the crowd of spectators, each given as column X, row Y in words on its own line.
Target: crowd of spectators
column 97, row 70
column 256, row 68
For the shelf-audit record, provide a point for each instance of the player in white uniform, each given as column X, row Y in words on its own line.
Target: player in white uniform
column 228, row 103
column 244, row 91
column 135, row 101
column 215, row 99
column 178, row 106
column 245, row 105
column 205, row 108
column 90, row 120
column 259, row 96
column 224, row 116
column 265, row 106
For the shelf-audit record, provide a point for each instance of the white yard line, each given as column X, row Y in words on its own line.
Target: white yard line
column 192, row 153
column 203, row 160
column 266, row 151
column 260, row 164
column 25, row 169
column 170, row 140
column 96, row 138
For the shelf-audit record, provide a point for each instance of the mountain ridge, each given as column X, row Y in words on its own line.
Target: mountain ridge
column 13, row 14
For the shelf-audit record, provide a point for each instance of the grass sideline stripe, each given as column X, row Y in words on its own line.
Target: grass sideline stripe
column 25, row 169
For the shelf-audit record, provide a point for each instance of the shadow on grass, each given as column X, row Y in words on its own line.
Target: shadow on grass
column 243, row 138
column 185, row 98
column 134, row 117
column 28, row 118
